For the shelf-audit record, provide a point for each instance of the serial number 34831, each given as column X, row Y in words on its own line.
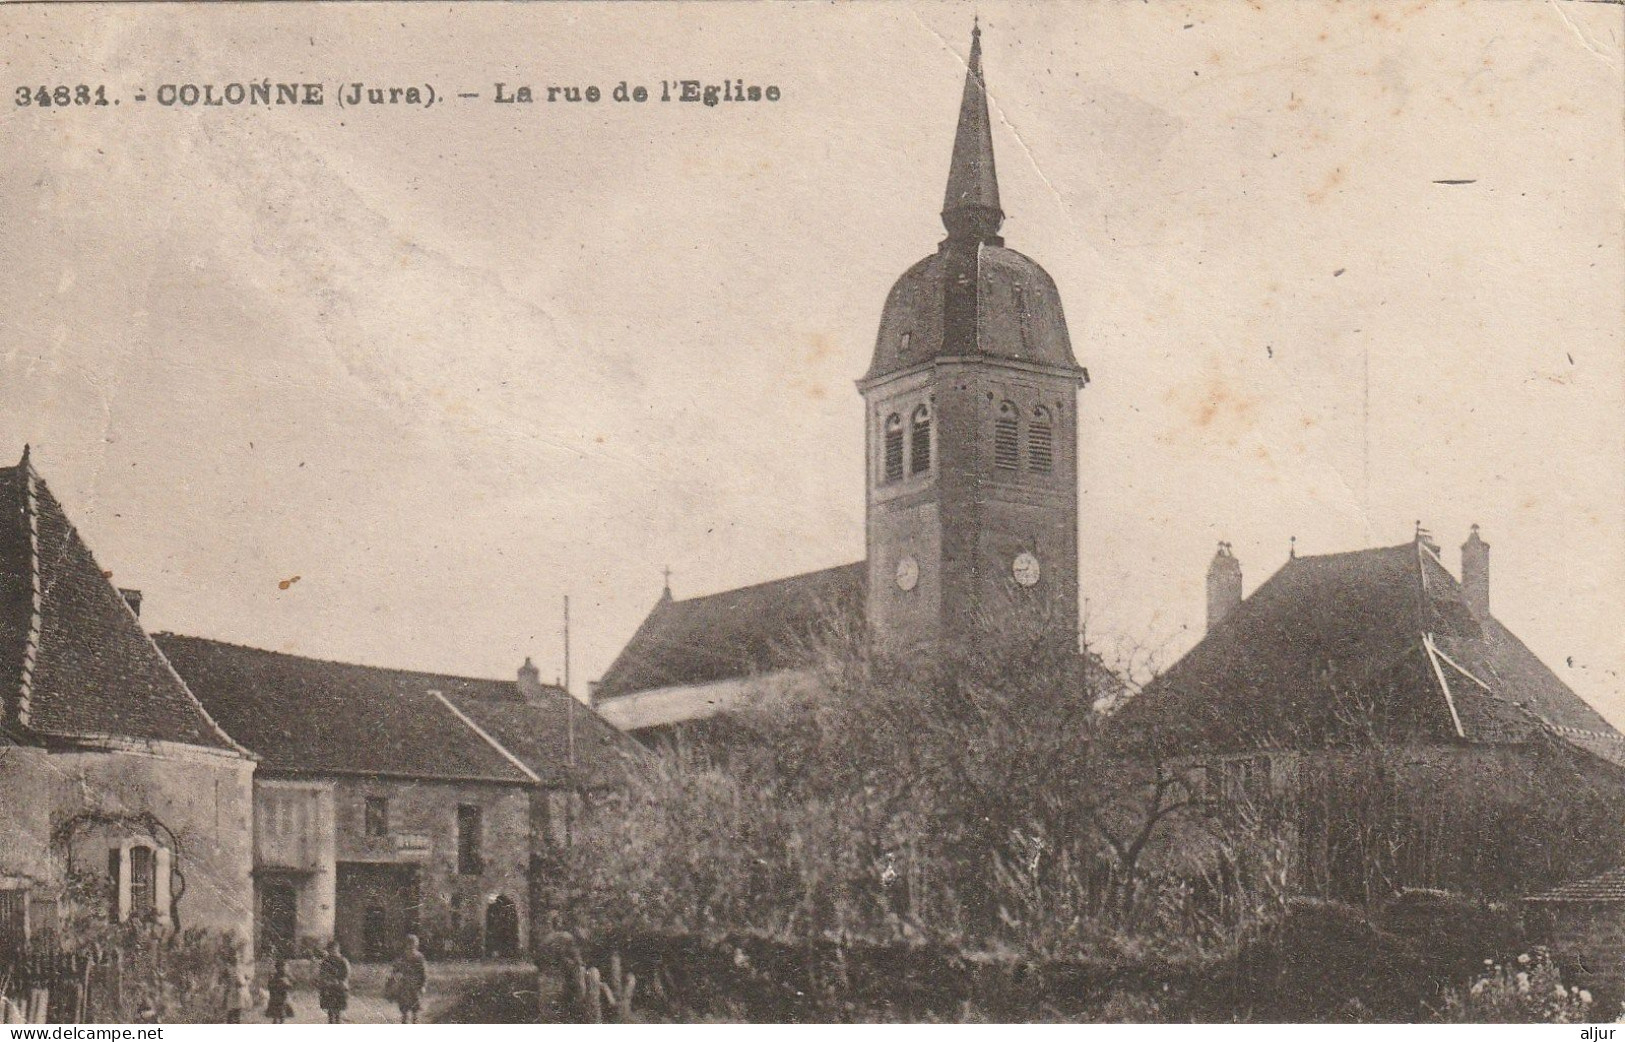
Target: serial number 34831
column 45, row 97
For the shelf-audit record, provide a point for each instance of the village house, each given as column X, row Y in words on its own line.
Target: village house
column 386, row 805
column 1404, row 734
column 578, row 760
column 120, row 798
column 378, row 811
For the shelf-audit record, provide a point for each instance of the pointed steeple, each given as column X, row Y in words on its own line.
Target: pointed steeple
column 971, row 207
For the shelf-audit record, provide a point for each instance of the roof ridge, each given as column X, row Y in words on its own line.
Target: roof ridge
column 196, row 701
column 482, row 733
column 764, row 583
column 1349, row 553
column 70, row 550
column 36, row 593
column 167, row 634
column 1566, row 729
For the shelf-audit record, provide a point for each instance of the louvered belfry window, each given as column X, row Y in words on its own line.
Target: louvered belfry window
column 919, row 448
column 893, row 462
column 1041, row 442
column 1006, row 450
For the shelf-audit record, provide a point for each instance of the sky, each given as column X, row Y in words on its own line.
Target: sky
column 385, row 384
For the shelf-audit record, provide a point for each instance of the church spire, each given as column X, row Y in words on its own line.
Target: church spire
column 971, row 208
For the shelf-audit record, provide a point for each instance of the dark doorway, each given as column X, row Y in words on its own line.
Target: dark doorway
column 502, row 928
column 279, row 917
column 375, row 935
column 376, row 907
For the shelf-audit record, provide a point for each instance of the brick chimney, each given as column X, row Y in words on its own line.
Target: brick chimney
column 1475, row 573
column 530, row 682
column 1223, row 586
column 133, row 599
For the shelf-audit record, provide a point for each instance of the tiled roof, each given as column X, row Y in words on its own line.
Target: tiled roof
column 536, row 729
column 755, row 629
column 74, row 660
column 1389, row 630
column 1608, row 746
column 309, row 716
column 1610, row 887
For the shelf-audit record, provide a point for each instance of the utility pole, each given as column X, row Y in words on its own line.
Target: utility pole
column 570, row 735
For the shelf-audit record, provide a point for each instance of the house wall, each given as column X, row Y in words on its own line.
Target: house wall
column 1503, row 820
column 61, row 811
column 1357, row 825
column 422, row 832
column 295, row 845
column 312, row 834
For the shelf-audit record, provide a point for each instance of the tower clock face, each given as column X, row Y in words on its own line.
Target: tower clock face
column 908, row 573
column 1025, row 569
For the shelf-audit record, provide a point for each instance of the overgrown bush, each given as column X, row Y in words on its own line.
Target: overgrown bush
column 148, row 973
column 975, row 800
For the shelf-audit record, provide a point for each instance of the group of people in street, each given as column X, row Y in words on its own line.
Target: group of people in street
column 408, row 977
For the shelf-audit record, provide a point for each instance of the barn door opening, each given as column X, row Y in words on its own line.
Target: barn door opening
column 502, row 927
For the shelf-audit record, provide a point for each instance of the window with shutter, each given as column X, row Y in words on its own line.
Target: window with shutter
column 1006, row 453
column 893, row 464
column 143, row 881
column 1041, row 442
column 919, row 448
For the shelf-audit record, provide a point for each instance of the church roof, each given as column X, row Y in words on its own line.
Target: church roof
column 311, row 716
column 973, row 298
column 1386, row 630
column 74, row 660
column 536, row 729
column 1014, row 312
column 973, row 182
column 738, row 633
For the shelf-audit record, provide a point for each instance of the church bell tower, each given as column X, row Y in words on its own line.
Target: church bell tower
column 971, row 414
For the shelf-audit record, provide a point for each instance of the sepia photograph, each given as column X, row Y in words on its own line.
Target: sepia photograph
column 917, row 512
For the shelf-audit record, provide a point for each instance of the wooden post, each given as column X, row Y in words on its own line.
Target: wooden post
column 624, row 1002
column 595, row 996
column 619, row 989
column 81, row 1014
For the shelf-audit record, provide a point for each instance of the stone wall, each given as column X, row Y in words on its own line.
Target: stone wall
column 294, row 847
column 422, row 832
column 61, row 811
